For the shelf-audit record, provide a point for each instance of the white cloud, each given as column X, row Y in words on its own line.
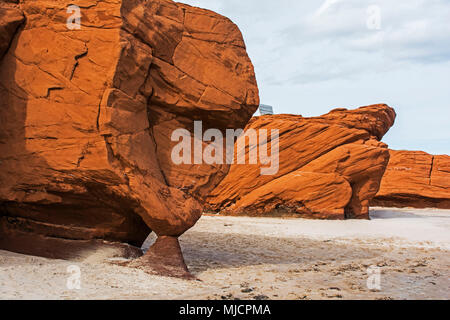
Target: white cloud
column 411, row 30
column 325, row 6
column 310, row 56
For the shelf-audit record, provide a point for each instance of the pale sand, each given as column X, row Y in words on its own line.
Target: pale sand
column 248, row 258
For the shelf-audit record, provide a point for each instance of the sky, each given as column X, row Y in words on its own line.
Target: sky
column 311, row 56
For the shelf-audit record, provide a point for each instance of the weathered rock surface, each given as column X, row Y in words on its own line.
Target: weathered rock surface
column 87, row 115
column 11, row 18
column 415, row 179
column 330, row 167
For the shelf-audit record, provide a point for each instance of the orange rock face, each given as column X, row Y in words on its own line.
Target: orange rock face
column 415, row 179
column 87, row 115
column 330, row 167
column 10, row 19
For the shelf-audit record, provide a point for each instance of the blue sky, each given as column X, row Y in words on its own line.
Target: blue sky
column 313, row 56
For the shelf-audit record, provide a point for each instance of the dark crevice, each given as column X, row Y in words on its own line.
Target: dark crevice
column 16, row 30
column 431, row 170
column 77, row 58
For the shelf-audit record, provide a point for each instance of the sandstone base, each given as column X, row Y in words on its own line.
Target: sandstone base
column 164, row 258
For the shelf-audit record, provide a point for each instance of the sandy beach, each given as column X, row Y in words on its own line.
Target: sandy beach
column 266, row 258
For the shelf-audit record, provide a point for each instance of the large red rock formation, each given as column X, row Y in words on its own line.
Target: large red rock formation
column 87, row 115
column 415, row 179
column 330, row 167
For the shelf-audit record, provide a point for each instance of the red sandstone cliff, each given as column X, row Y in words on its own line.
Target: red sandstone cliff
column 415, row 179
column 86, row 117
column 330, row 167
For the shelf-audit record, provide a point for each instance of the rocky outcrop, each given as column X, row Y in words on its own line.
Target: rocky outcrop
column 11, row 18
column 330, row 167
column 86, row 121
column 415, row 179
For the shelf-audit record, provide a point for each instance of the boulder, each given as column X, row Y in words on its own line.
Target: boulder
column 330, row 167
column 87, row 116
column 415, row 179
